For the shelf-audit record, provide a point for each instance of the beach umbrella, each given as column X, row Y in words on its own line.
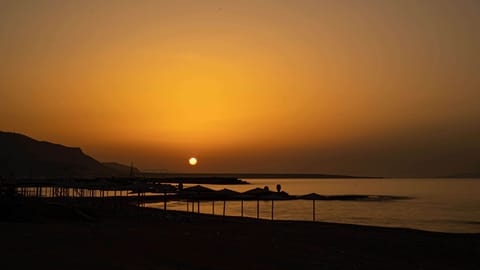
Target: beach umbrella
column 164, row 188
column 227, row 194
column 313, row 197
column 256, row 192
column 197, row 192
column 273, row 196
column 140, row 189
column 198, row 189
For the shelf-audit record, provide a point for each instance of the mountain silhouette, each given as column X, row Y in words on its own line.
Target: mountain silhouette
column 22, row 156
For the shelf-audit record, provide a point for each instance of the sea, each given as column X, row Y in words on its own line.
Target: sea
column 440, row 205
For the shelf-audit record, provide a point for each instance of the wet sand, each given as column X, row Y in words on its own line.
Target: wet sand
column 41, row 236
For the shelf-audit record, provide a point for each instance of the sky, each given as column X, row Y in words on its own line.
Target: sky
column 383, row 88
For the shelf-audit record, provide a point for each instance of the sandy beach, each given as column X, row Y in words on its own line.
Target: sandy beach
column 53, row 236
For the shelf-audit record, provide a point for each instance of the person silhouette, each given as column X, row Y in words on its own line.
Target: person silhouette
column 279, row 187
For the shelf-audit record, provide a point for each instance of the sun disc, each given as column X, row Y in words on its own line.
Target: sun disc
column 192, row 161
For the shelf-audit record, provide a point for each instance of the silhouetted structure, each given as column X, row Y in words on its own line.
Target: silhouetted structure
column 313, row 197
column 131, row 169
column 122, row 191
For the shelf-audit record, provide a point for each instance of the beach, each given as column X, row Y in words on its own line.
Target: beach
column 53, row 236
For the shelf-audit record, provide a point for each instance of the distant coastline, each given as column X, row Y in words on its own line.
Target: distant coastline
column 253, row 175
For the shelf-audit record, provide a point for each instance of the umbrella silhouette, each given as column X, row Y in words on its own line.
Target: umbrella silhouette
column 226, row 194
column 164, row 188
column 196, row 193
column 313, row 197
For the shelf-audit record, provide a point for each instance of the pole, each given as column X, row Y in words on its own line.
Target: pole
column 272, row 209
column 165, row 201
column 242, row 207
column 224, row 207
column 313, row 210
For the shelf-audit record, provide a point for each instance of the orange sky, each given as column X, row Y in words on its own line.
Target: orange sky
column 357, row 87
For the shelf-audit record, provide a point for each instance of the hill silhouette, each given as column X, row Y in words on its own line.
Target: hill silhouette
column 22, row 156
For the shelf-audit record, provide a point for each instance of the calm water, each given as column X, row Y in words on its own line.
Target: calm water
column 445, row 205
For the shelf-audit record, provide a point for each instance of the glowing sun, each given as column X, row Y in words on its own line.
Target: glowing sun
column 192, row 161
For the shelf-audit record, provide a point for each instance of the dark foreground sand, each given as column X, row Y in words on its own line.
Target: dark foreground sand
column 59, row 237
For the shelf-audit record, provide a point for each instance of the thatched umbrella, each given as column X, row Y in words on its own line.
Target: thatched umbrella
column 273, row 196
column 140, row 189
column 264, row 194
column 313, row 197
column 197, row 189
column 196, row 192
column 165, row 188
column 256, row 193
column 226, row 194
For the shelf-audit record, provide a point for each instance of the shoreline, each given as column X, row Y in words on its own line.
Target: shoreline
column 251, row 219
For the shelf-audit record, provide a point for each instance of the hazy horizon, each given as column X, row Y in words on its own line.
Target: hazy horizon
column 381, row 88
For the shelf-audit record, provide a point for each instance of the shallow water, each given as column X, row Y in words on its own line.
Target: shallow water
column 445, row 205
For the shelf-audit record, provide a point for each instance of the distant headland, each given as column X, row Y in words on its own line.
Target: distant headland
column 255, row 175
